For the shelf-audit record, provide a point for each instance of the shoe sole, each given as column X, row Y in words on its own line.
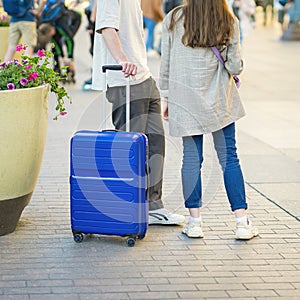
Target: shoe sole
column 249, row 237
column 193, row 236
column 165, row 223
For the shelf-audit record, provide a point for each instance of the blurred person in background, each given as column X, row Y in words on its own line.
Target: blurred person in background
column 60, row 32
column 244, row 10
column 23, row 26
column 152, row 14
column 90, row 15
column 292, row 33
column 281, row 14
column 168, row 5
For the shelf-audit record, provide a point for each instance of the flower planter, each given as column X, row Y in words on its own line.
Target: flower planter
column 23, row 128
column 4, row 41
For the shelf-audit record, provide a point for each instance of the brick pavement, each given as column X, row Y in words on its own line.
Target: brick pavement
column 40, row 260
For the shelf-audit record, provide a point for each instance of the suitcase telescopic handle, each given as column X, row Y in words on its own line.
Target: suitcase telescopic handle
column 111, row 68
column 116, row 68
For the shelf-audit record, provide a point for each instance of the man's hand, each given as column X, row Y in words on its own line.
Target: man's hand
column 114, row 46
column 129, row 69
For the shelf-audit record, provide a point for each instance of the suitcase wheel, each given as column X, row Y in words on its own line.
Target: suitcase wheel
column 78, row 237
column 130, row 241
column 140, row 237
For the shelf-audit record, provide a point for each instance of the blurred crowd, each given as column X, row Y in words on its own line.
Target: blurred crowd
column 287, row 12
column 56, row 22
column 47, row 23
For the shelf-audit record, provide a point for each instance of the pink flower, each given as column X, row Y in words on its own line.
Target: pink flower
column 33, row 76
column 41, row 53
column 23, row 81
column 11, row 86
column 19, row 48
column 63, row 113
column 28, row 67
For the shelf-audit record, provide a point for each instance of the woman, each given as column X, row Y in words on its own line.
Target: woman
column 202, row 98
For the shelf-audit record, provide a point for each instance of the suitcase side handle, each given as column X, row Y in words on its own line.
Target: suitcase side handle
column 111, row 68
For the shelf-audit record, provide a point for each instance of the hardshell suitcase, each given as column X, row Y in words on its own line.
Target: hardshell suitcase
column 108, row 183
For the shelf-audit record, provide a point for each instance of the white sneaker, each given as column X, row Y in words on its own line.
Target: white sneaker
column 245, row 231
column 164, row 217
column 193, row 230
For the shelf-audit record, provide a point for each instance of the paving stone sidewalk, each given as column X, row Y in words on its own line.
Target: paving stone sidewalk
column 40, row 260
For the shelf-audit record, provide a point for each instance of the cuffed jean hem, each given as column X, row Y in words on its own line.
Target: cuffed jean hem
column 153, row 205
column 239, row 207
column 192, row 206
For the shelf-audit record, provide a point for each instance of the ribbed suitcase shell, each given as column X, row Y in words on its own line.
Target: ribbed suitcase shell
column 108, row 183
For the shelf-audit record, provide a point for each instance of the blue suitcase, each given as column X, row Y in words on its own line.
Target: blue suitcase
column 108, row 184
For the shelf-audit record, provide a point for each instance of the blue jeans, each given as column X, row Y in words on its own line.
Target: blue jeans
column 150, row 26
column 224, row 143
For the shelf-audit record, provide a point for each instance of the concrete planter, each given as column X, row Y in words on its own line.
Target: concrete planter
column 4, row 41
column 23, row 129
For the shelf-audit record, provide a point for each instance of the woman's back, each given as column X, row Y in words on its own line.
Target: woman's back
column 202, row 95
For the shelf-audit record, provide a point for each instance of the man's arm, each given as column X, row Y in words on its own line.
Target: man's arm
column 114, row 46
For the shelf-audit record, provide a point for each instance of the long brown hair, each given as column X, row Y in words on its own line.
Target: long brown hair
column 207, row 23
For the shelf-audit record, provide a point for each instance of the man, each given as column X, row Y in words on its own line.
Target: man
column 119, row 39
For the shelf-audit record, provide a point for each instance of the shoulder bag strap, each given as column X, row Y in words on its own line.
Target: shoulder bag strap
column 220, row 58
column 218, row 54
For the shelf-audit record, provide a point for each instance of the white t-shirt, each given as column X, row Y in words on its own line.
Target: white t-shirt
column 127, row 18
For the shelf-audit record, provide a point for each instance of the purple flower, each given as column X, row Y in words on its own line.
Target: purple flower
column 11, row 86
column 23, row 81
column 3, row 64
